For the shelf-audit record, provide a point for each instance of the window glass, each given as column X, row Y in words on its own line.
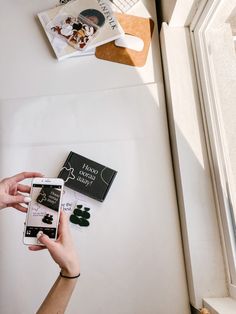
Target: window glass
column 220, row 38
column 215, row 47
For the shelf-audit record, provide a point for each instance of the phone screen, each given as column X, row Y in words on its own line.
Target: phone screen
column 44, row 208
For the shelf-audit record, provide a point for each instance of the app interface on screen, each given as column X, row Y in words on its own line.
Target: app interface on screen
column 44, row 210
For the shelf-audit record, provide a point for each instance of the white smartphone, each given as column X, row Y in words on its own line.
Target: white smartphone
column 44, row 209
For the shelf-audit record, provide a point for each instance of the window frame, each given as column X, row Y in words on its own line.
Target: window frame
column 215, row 140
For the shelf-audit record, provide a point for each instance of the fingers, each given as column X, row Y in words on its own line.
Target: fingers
column 19, row 207
column 63, row 224
column 45, row 240
column 23, row 175
column 23, row 188
column 36, row 247
column 19, row 198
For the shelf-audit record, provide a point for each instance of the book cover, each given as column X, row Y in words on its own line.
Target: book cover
column 87, row 176
column 61, row 48
column 99, row 13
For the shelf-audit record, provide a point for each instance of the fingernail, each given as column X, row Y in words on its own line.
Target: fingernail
column 39, row 234
column 27, row 199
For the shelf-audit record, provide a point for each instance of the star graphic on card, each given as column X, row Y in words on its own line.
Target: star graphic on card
column 70, row 172
column 42, row 197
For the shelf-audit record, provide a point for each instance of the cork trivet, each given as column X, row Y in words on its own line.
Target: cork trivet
column 132, row 25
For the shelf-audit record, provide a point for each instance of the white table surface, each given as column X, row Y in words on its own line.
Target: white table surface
column 28, row 66
column 132, row 249
column 131, row 255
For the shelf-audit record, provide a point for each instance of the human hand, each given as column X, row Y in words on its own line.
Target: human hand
column 11, row 189
column 62, row 250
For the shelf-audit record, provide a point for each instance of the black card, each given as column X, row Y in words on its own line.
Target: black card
column 87, row 176
column 49, row 197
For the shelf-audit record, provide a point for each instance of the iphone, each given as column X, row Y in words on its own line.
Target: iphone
column 44, row 209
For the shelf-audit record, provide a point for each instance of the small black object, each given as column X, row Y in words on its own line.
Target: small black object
column 80, row 216
column 79, row 221
column 48, row 219
column 77, row 26
column 83, row 222
column 78, row 212
column 74, row 219
column 85, row 215
column 63, row 1
column 68, row 277
column 81, row 213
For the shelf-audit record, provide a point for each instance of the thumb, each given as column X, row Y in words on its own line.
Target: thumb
column 45, row 240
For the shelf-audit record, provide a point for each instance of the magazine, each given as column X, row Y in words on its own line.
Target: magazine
column 61, row 48
column 99, row 27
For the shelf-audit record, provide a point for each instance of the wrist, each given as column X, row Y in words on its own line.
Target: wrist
column 69, row 277
column 70, row 270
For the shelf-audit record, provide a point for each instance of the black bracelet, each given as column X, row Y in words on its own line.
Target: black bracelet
column 68, row 277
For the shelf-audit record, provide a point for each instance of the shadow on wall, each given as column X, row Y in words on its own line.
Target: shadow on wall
column 165, row 9
column 194, row 311
column 159, row 14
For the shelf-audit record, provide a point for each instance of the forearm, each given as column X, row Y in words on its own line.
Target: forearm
column 58, row 297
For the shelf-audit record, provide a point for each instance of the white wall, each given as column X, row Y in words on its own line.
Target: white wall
column 179, row 13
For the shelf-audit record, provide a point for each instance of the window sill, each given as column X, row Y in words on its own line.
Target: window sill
column 220, row 305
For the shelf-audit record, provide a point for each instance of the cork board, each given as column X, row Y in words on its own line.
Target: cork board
column 132, row 25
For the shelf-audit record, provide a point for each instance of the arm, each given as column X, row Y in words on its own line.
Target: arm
column 64, row 254
column 58, row 297
column 14, row 194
